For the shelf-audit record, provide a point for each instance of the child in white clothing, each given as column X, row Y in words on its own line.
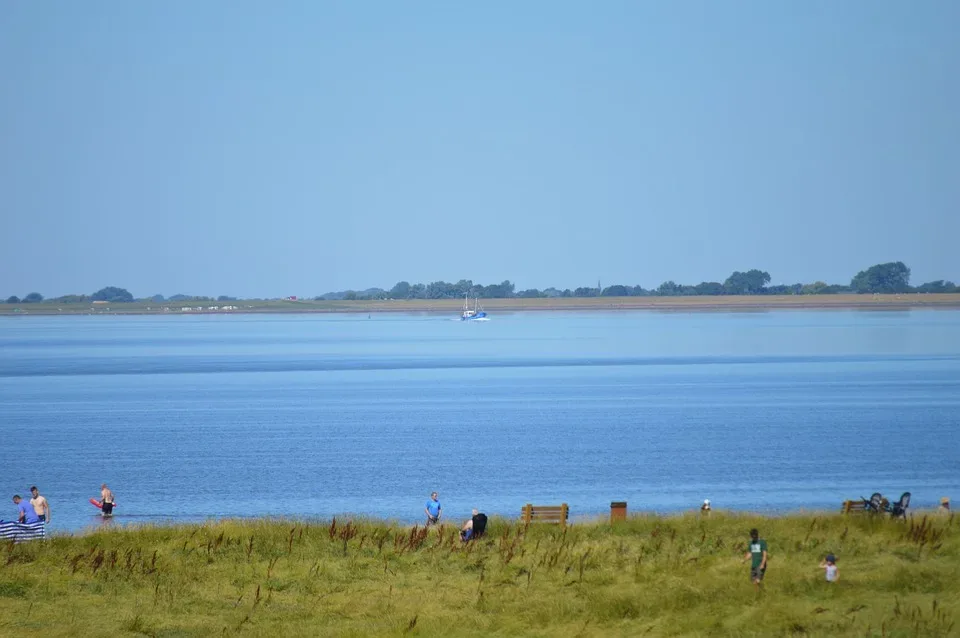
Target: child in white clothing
column 829, row 567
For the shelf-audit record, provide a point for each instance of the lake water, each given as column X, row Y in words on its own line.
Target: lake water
column 312, row 416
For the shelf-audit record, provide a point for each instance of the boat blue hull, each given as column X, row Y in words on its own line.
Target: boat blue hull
column 479, row 315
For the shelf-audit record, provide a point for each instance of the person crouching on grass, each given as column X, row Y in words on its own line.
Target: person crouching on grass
column 757, row 553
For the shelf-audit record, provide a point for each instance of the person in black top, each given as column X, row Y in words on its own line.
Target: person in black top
column 474, row 526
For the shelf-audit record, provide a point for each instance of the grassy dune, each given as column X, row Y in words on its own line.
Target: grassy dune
column 655, row 576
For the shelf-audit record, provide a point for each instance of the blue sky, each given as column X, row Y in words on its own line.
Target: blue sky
column 265, row 149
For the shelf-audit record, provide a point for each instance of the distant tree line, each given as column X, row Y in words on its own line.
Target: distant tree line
column 888, row 278
column 110, row 294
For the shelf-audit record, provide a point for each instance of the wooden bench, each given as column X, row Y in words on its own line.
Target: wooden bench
column 853, row 506
column 859, row 505
column 545, row 514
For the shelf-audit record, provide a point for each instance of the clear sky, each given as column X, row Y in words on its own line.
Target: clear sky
column 266, row 149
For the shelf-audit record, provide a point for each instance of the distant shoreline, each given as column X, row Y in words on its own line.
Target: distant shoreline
column 453, row 306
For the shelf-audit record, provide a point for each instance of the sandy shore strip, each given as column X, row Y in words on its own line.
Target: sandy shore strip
column 453, row 306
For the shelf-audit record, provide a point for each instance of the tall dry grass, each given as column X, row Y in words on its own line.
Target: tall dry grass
column 651, row 575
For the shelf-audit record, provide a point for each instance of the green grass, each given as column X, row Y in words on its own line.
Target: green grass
column 655, row 576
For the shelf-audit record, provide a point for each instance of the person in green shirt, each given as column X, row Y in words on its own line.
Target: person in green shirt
column 757, row 553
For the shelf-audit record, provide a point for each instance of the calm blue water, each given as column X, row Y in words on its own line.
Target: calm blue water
column 191, row 417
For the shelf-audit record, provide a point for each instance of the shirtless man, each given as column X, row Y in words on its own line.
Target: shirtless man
column 40, row 505
column 106, row 500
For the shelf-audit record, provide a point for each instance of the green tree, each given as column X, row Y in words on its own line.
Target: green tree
column 816, row 288
column 668, row 289
column 836, row 289
column 891, row 277
column 464, row 287
column 503, row 290
column 441, row 290
column 401, row 290
column 418, row 291
column 33, row 297
column 784, row 289
column 939, row 286
column 751, row 282
column 13, row 299
column 616, row 291
column 709, row 288
column 113, row 294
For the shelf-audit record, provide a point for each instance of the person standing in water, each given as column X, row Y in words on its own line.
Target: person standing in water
column 40, row 505
column 106, row 500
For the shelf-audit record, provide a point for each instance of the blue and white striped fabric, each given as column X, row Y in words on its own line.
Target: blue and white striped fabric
column 19, row 532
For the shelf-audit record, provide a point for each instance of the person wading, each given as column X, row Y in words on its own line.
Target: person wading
column 106, row 500
column 40, row 505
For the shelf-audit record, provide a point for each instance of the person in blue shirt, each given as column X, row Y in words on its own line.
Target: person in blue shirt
column 26, row 513
column 433, row 510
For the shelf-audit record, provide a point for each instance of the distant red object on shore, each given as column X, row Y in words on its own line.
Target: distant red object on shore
column 292, row 298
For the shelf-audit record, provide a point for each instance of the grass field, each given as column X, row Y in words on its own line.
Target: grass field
column 453, row 306
column 649, row 576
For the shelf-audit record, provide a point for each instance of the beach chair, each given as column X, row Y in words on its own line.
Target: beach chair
column 872, row 505
column 899, row 508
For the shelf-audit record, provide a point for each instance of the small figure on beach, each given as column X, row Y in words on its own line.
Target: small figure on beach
column 25, row 511
column 944, row 505
column 474, row 527
column 106, row 500
column 40, row 505
column 757, row 553
column 705, row 508
column 829, row 567
column 433, row 510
